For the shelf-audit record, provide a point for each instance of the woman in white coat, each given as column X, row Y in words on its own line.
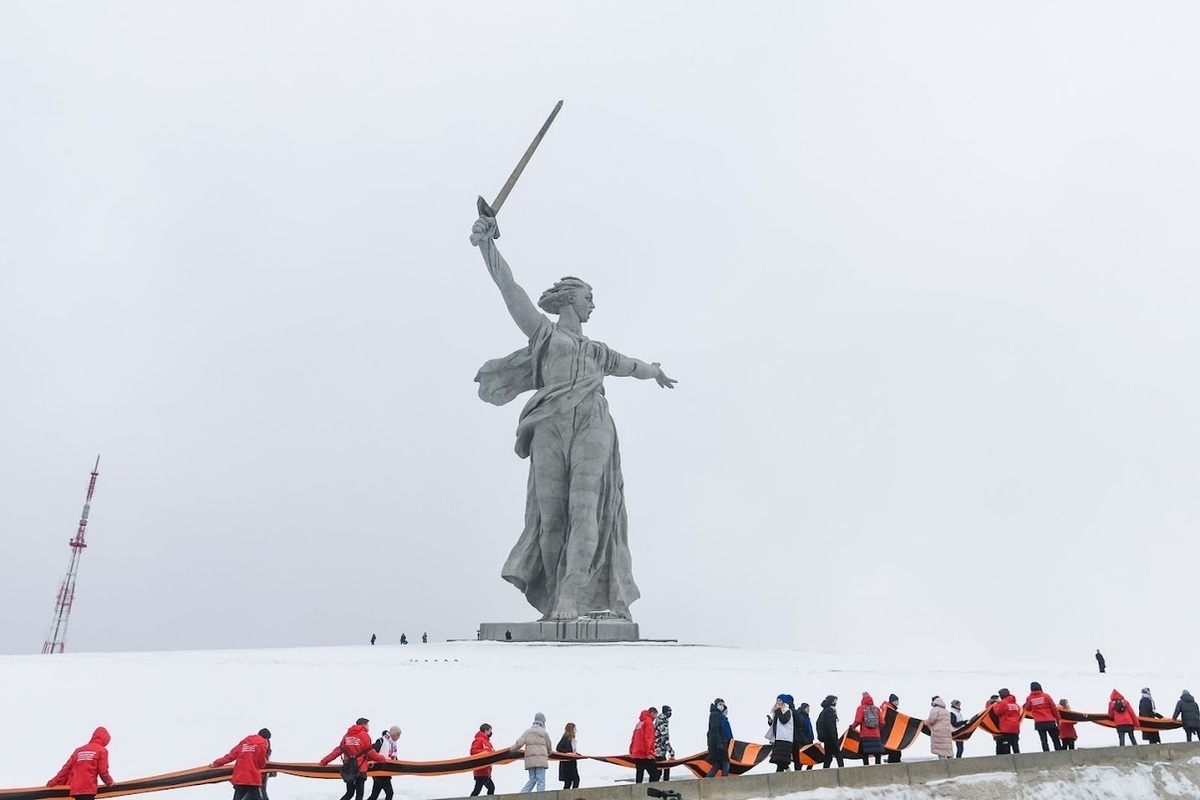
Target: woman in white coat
column 941, row 740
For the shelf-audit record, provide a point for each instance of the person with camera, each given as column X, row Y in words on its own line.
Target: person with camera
column 780, row 731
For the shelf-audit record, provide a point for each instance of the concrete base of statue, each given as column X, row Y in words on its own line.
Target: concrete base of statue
column 590, row 628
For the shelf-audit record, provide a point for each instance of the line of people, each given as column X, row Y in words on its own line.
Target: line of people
column 789, row 731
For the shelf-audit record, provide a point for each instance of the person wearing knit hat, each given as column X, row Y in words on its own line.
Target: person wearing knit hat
column 893, row 702
column 780, row 731
column 537, row 746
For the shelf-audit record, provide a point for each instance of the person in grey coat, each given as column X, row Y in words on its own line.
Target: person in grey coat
column 1188, row 712
column 537, row 746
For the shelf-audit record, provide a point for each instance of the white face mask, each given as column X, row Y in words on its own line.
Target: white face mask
column 720, row 706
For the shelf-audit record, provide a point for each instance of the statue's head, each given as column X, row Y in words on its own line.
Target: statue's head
column 571, row 292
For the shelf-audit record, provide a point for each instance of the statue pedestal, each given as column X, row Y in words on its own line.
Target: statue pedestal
column 584, row 629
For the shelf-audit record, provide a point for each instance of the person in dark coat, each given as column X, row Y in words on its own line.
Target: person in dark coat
column 781, row 731
column 1147, row 708
column 802, row 737
column 827, row 732
column 1187, row 711
column 568, row 768
column 719, row 735
column 1100, row 661
column 957, row 720
column 893, row 702
column 372, row 638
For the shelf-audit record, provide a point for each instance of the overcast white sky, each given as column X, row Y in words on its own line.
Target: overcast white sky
column 926, row 273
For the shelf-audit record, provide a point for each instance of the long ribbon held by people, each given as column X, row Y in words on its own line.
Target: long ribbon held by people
column 898, row 731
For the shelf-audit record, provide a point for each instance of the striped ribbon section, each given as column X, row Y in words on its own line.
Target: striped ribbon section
column 897, row 730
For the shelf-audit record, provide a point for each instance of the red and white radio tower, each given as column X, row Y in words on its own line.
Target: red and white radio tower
column 56, row 639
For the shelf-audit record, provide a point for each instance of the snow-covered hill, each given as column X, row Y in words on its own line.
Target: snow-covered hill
column 174, row 710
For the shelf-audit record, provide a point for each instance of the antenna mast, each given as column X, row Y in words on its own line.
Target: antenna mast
column 56, row 639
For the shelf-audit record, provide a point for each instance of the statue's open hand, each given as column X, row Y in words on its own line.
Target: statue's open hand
column 483, row 229
column 661, row 378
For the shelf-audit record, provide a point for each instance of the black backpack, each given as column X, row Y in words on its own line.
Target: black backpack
column 350, row 771
column 1119, row 706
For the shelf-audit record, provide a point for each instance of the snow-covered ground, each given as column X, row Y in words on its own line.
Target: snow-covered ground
column 175, row 710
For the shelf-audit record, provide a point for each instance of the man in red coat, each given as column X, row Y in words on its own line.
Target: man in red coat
column 641, row 746
column 250, row 758
column 1045, row 715
column 356, row 746
column 1008, row 717
column 483, row 776
column 84, row 766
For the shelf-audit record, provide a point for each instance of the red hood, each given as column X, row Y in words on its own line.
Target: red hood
column 100, row 736
column 867, row 701
column 1116, row 695
column 480, row 736
column 646, row 718
column 361, row 732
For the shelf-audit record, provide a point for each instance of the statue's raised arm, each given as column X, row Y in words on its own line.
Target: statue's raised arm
column 522, row 309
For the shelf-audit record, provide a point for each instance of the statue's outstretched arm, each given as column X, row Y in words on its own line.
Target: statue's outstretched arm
column 522, row 309
column 627, row 367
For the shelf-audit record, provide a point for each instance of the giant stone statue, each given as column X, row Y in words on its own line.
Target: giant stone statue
column 573, row 556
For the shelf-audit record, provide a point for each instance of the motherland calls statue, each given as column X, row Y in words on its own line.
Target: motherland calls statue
column 573, row 556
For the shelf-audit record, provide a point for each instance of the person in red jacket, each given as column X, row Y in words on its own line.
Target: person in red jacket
column 1008, row 717
column 84, row 766
column 870, row 726
column 250, row 758
column 641, row 746
column 356, row 745
column 483, row 775
column 1045, row 715
column 1124, row 717
column 1066, row 730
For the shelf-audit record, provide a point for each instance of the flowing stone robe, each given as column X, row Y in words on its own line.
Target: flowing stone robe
column 573, row 556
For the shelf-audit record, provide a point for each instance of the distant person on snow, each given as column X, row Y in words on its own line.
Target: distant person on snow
column 957, row 720
column 1123, row 716
column 641, row 746
column 941, row 738
column 1045, row 716
column 803, row 735
column 1066, row 728
column 719, row 736
column 662, row 741
column 1100, row 661
column 386, row 746
column 372, row 638
column 893, row 702
column 1008, row 717
column 483, row 775
column 1187, row 711
column 403, row 639
column 424, row 638
column 827, row 732
column 781, row 726
column 356, row 748
column 1147, row 708
column 249, row 757
column 537, row 746
column 869, row 720
column 568, row 768
column 84, row 766
column 508, row 636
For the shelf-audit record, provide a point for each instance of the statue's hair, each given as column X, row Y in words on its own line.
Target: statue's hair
column 559, row 295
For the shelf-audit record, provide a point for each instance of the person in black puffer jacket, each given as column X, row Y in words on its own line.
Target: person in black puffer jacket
column 803, row 734
column 827, row 732
column 1188, row 712
column 718, row 739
